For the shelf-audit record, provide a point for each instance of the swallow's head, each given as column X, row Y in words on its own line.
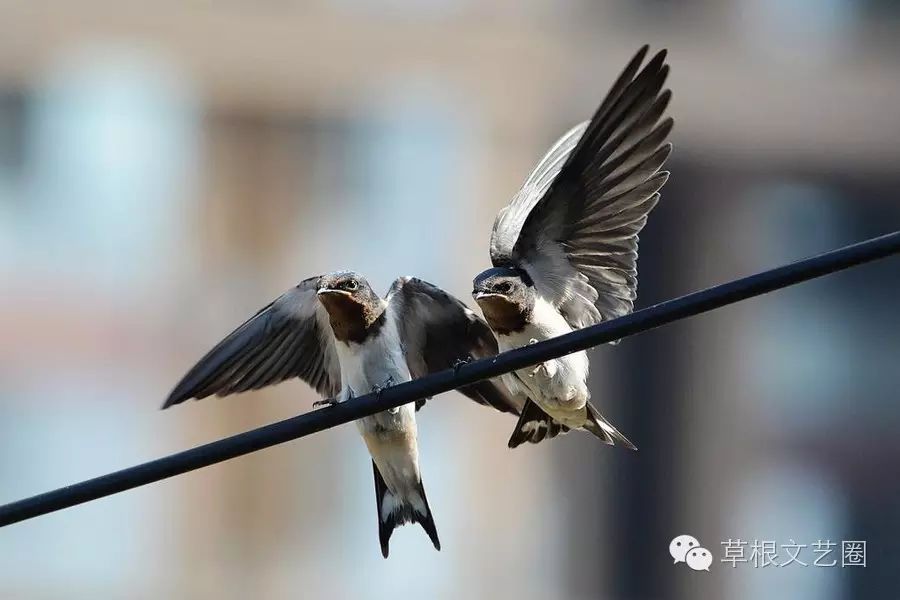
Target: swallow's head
column 506, row 297
column 346, row 284
column 352, row 306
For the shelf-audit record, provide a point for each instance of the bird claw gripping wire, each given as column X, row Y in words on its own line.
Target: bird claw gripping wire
column 458, row 364
column 377, row 389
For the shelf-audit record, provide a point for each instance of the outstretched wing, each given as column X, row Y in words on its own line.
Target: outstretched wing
column 438, row 332
column 289, row 338
column 573, row 227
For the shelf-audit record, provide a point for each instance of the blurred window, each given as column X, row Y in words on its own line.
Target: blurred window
column 110, row 153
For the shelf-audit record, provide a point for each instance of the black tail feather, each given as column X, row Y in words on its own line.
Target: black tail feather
column 603, row 429
column 400, row 514
column 534, row 426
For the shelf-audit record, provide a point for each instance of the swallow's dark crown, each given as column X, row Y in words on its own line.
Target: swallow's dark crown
column 500, row 273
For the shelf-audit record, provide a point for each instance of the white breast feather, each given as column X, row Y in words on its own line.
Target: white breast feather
column 373, row 362
column 567, row 373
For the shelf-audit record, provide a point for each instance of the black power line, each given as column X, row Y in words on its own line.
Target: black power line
column 319, row 420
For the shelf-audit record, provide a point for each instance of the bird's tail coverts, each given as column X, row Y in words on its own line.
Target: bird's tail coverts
column 394, row 511
column 603, row 429
column 534, row 426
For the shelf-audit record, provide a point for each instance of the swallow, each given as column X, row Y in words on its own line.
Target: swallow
column 336, row 334
column 564, row 250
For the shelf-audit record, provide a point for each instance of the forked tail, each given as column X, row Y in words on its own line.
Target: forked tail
column 394, row 511
column 534, row 426
column 603, row 429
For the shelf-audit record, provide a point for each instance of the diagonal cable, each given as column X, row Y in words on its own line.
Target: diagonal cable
column 320, row 420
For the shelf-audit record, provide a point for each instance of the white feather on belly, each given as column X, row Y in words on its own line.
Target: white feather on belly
column 390, row 435
column 559, row 385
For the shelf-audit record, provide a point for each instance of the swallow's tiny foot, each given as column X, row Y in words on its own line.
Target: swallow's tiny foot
column 546, row 370
column 458, row 363
column 532, row 341
column 326, row 402
column 380, row 388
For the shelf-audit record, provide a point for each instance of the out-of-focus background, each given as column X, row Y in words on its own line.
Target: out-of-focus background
column 168, row 168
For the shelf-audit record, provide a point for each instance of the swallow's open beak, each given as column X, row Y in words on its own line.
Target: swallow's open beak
column 331, row 292
column 479, row 294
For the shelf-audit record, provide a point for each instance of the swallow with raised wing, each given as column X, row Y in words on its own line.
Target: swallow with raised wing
column 336, row 334
column 564, row 251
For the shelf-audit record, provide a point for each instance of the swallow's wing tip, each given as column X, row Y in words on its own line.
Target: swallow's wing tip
column 641, row 54
column 169, row 403
column 176, row 396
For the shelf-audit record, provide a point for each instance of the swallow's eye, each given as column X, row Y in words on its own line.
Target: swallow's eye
column 504, row 287
column 351, row 285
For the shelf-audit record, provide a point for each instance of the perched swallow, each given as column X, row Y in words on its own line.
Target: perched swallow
column 336, row 334
column 565, row 249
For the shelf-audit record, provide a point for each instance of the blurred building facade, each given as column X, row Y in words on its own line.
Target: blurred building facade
column 166, row 171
